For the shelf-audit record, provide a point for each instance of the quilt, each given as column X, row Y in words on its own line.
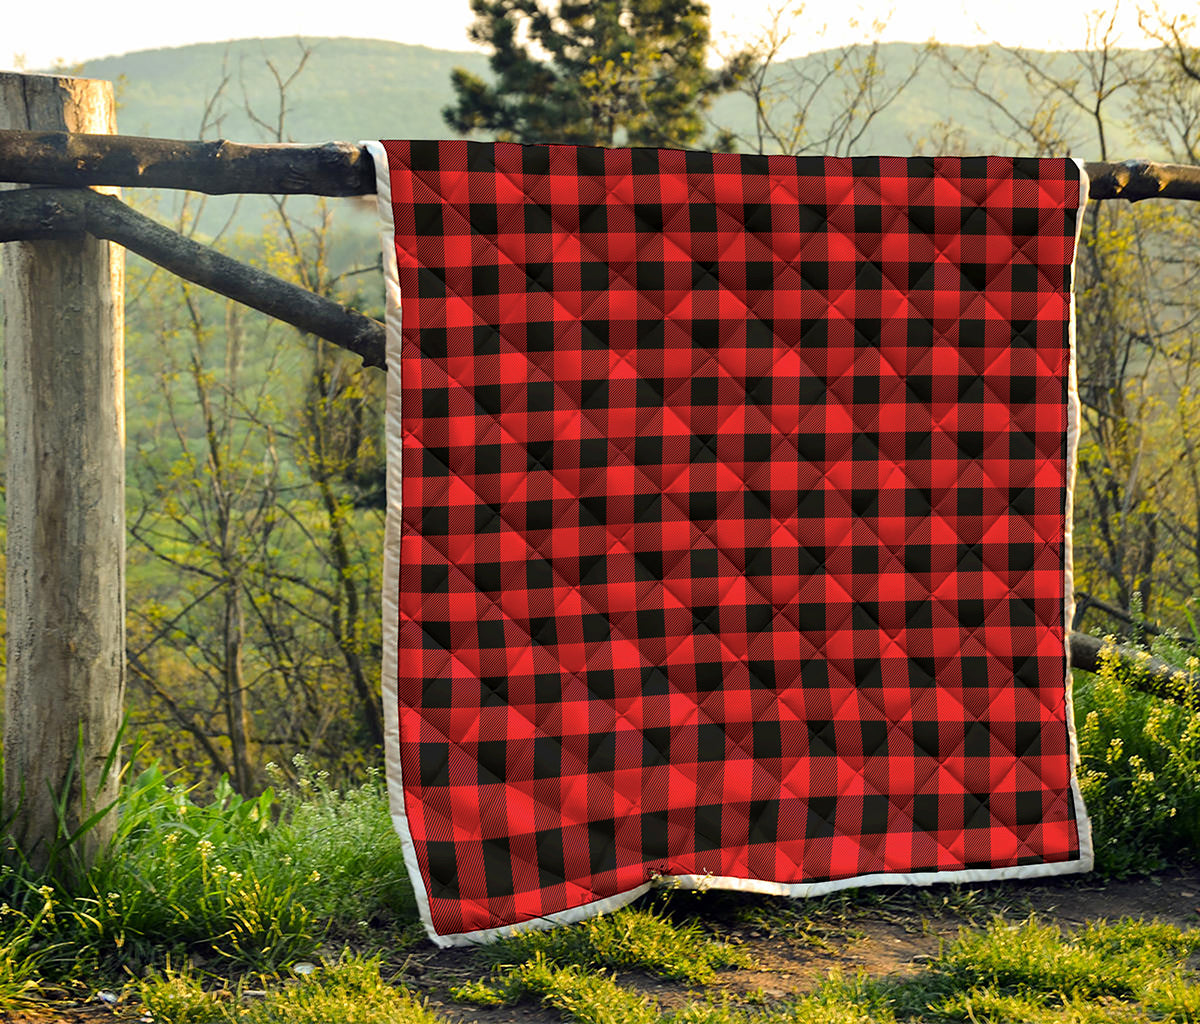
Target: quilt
column 728, row 539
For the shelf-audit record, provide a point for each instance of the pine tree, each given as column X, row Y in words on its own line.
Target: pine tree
column 604, row 72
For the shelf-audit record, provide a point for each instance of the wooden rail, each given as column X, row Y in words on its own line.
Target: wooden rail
column 346, row 168
column 36, row 213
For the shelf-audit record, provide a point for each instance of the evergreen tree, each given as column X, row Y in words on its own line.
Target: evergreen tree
column 604, row 72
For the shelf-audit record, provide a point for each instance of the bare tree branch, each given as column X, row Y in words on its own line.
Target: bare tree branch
column 48, row 213
column 1141, row 670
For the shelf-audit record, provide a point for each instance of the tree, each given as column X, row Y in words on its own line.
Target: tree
column 261, row 639
column 616, row 72
column 822, row 104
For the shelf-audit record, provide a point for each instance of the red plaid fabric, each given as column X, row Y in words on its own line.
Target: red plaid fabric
column 733, row 541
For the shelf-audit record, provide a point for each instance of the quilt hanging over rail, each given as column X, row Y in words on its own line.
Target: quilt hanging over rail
column 729, row 523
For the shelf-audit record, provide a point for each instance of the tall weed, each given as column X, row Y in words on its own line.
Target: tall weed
column 348, row 849
column 188, row 874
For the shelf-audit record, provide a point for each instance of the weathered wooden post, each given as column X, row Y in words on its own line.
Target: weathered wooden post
column 65, row 433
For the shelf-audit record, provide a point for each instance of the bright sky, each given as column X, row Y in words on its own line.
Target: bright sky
column 71, row 31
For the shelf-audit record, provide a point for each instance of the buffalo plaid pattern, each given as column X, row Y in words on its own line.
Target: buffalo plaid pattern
column 734, row 516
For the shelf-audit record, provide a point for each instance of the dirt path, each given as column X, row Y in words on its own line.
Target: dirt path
column 887, row 933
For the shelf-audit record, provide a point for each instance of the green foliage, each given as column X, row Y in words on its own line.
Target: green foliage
column 26, row 944
column 346, row 837
column 1139, row 769
column 1032, row 972
column 253, row 626
column 633, row 938
column 1103, row 960
column 836, row 1001
column 586, row 997
column 254, row 882
column 629, row 72
column 194, row 871
column 249, row 885
column 348, row 991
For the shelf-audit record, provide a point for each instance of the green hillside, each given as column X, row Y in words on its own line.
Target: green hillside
column 350, row 89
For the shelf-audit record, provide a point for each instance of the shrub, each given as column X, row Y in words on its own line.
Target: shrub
column 1139, row 768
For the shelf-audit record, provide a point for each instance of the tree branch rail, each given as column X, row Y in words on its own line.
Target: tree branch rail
column 36, row 213
column 346, row 168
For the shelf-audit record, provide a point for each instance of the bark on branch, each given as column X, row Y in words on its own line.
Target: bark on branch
column 1135, row 180
column 1139, row 669
column 218, row 168
column 346, row 169
column 29, row 214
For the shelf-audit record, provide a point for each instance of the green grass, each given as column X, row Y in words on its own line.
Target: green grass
column 1119, row 960
column 583, row 995
column 346, row 838
column 568, row 968
column 192, row 876
column 244, row 887
column 25, row 947
column 1131, row 970
column 348, row 991
column 253, row 883
column 1008, row 973
column 631, row 939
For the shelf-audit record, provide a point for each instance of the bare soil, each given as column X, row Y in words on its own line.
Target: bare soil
column 886, row 933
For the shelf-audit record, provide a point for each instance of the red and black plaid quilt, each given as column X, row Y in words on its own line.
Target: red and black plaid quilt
column 729, row 537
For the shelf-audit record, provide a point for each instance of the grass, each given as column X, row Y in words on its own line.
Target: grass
column 632, row 939
column 824, row 924
column 205, row 897
column 348, row 991
column 1007, row 973
column 253, row 883
column 582, row 994
column 1130, row 970
column 567, row 967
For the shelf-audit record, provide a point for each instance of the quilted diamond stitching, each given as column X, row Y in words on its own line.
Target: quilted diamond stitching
column 845, row 311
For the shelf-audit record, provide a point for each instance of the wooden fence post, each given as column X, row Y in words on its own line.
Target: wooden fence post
column 65, row 437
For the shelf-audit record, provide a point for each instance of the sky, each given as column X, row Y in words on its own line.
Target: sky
column 35, row 36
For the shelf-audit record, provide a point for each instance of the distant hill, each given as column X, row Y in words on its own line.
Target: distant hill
column 350, row 89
